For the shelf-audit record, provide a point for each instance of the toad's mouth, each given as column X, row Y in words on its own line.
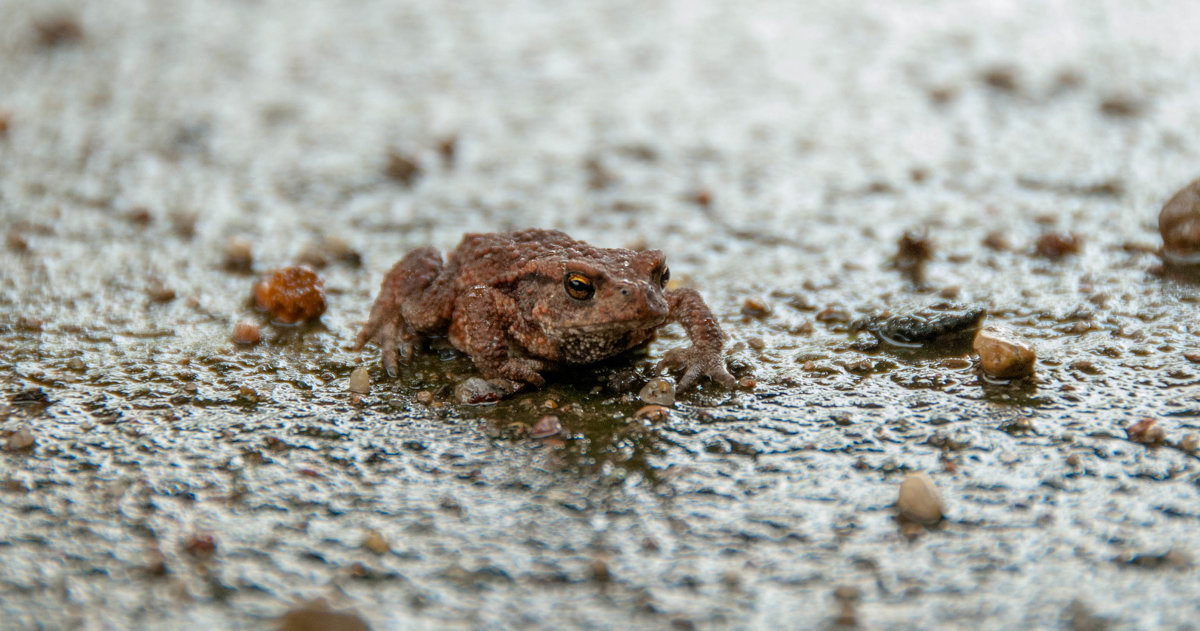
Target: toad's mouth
column 612, row 326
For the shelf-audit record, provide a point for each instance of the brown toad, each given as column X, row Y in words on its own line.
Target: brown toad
column 521, row 303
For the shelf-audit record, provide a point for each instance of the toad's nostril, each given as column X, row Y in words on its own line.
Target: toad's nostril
column 624, row 291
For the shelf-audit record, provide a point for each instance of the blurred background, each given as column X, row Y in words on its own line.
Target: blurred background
column 778, row 152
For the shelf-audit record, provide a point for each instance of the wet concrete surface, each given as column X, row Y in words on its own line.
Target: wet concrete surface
column 776, row 151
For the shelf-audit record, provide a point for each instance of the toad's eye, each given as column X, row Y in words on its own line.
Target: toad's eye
column 578, row 286
column 666, row 276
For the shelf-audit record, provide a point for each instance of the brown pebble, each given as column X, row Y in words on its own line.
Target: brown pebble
column 30, row 323
column 17, row 242
column 1074, row 460
column 995, row 241
column 158, row 292
column 546, row 427
column 184, row 223
column 1002, row 78
column 914, row 248
column 832, row 314
column 401, row 168
column 424, row 397
column 339, row 249
column 919, row 500
column 375, row 542
column 747, row 383
column 140, row 217
column 239, row 256
column 360, row 381
column 1179, row 225
column 448, row 149
column 475, row 390
column 600, row 571
column 1146, row 432
column 942, row 95
column 1002, row 354
column 653, row 413
column 58, row 30
column 5, row 117
column 658, row 391
column 20, row 440
column 1189, row 442
column 291, row 294
column 756, row 308
column 701, row 197
column 1121, row 106
column 201, row 545
column 847, row 598
column 246, row 332
column 1055, row 245
column 312, row 256
column 310, row 618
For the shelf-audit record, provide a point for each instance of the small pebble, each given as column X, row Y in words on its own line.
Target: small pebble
column 4, row 118
column 1055, row 245
column 477, row 390
column 291, row 294
column 1146, row 432
column 360, row 380
column 919, row 500
column 17, row 242
column 339, row 250
column 21, row 440
column 1189, row 442
column 1001, row 78
column 246, row 332
column 546, row 427
column 1002, row 354
column 140, row 217
column 424, row 397
column 401, row 168
column 995, row 241
column 58, row 30
column 747, row 383
column 653, row 413
column 375, row 542
column 75, row 364
column 310, row 618
column 756, row 308
column 658, row 391
column 600, row 571
column 847, row 598
column 239, row 255
column 201, row 545
column 1179, row 225
column 158, row 292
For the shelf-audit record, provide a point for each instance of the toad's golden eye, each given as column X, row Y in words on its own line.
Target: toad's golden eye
column 578, row 286
column 666, row 276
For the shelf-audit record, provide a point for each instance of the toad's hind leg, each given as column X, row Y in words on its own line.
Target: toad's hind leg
column 413, row 299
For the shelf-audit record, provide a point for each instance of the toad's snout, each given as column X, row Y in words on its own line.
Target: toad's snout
column 642, row 298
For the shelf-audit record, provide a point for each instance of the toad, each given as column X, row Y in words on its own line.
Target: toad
column 524, row 303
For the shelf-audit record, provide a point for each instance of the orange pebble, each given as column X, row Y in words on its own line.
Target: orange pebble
column 291, row 294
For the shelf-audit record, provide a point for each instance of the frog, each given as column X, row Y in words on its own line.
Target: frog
column 526, row 303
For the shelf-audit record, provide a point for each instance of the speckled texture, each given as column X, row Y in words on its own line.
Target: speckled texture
column 777, row 150
column 502, row 298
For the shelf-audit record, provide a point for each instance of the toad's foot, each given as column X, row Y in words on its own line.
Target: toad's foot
column 518, row 371
column 697, row 363
column 387, row 334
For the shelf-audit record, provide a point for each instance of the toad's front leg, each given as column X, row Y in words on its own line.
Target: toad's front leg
column 704, row 357
column 414, row 299
column 480, row 328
